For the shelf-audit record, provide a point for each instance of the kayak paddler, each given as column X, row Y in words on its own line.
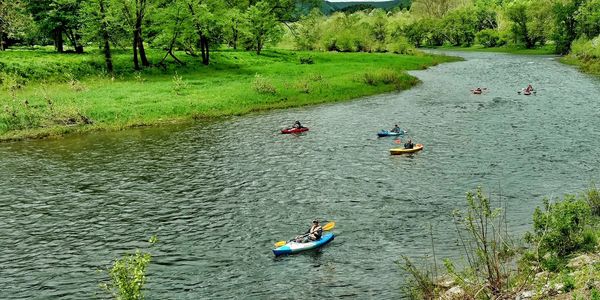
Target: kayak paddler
column 396, row 129
column 297, row 125
column 409, row 145
column 313, row 234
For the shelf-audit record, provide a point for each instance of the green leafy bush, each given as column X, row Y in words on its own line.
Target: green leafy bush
column 306, row 60
column 558, row 229
column 488, row 38
column 401, row 45
column 128, row 274
column 592, row 195
column 263, row 86
column 400, row 79
column 568, row 282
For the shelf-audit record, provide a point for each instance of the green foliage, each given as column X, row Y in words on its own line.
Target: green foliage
column 309, row 31
column 400, row 80
column 558, row 228
column 488, row 247
column 263, row 26
column 592, row 196
column 179, row 85
column 420, row 285
column 262, row 86
column 459, row 26
column 588, row 19
column 306, row 60
column 220, row 89
column 401, row 45
column 568, row 282
column 128, row 274
column 488, row 38
column 595, row 294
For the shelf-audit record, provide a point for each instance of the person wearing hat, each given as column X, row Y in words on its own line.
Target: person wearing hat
column 313, row 234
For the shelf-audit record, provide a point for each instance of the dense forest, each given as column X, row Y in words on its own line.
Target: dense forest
column 197, row 27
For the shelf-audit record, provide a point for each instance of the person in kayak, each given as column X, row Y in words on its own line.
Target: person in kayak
column 297, row 125
column 409, row 145
column 529, row 88
column 396, row 129
column 313, row 234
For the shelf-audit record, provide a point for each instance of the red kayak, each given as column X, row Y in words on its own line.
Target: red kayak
column 294, row 130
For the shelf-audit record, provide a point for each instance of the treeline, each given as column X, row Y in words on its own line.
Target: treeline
column 193, row 26
column 491, row 23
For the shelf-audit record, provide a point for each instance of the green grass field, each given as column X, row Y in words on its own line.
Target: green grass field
column 46, row 94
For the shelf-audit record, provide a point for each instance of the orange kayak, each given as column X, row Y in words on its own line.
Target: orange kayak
column 398, row 151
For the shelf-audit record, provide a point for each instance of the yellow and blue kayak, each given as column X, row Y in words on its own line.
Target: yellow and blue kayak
column 294, row 247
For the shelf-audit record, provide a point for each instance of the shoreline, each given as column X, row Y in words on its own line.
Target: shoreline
column 238, row 83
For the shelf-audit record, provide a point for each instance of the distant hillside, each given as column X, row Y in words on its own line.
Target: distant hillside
column 329, row 7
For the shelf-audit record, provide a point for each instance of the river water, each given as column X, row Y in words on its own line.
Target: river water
column 219, row 194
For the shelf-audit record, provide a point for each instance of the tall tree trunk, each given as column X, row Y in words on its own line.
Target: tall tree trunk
column 58, row 40
column 138, row 28
column 105, row 37
column 145, row 61
column 234, row 38
column 78, row 45
column 136, row 63
column 1, row 41
column 205, row 50
column 259, row 43
column 202, row 40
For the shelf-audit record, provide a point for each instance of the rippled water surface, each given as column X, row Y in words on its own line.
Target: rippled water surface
column 219, row 194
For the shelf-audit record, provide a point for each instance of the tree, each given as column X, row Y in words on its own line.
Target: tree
column 263, row 26
column 204, row 15
column 57, row 18
column 432, row 8
column 517, row 14
column 234, row 23
column 460, row 26
column 588, row 19
column 170, row 28
column 98, row 28
column 308, row 30
column 378, row 23
column 13, row 21
column 134, row 14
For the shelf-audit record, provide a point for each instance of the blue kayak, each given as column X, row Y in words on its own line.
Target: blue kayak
column 390, row 133
column 294, row 247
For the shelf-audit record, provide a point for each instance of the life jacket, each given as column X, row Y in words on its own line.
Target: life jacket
column 318, row 231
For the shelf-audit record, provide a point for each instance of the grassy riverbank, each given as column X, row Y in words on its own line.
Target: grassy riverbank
column 585, row 55
column 47, row 94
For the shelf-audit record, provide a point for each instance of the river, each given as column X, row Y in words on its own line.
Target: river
column 219, row 194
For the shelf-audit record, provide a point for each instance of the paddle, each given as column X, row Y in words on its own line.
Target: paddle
column 327, row 227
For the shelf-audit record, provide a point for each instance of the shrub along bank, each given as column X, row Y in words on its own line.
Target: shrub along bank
column 560, row 259
column 40, row 99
